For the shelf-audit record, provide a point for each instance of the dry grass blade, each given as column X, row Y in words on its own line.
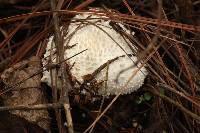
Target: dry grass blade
column 4, row 43
column 118, row 17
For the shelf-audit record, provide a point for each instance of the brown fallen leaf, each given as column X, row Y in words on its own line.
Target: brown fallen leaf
column 27, row 93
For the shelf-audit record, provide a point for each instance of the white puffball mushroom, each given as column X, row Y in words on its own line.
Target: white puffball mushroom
column 93, row 35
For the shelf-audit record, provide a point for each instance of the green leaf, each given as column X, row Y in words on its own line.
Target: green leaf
column 147, row 96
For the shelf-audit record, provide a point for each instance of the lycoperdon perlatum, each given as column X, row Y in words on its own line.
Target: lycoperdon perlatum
column 103, row 43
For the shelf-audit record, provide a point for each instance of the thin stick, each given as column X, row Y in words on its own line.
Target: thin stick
column 57, row 44
column 65, row 84
column 32, row 107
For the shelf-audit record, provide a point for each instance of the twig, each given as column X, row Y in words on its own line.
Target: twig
column 128, row 7
column 65, row 84
column 32, row 107
column 54, row 73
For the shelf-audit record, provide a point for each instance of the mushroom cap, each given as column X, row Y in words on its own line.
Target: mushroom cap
column 103, row 43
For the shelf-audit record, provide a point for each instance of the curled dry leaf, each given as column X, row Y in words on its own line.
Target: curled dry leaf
column 27, row 93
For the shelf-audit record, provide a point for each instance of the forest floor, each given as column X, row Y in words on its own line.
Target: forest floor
column 167, row 34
